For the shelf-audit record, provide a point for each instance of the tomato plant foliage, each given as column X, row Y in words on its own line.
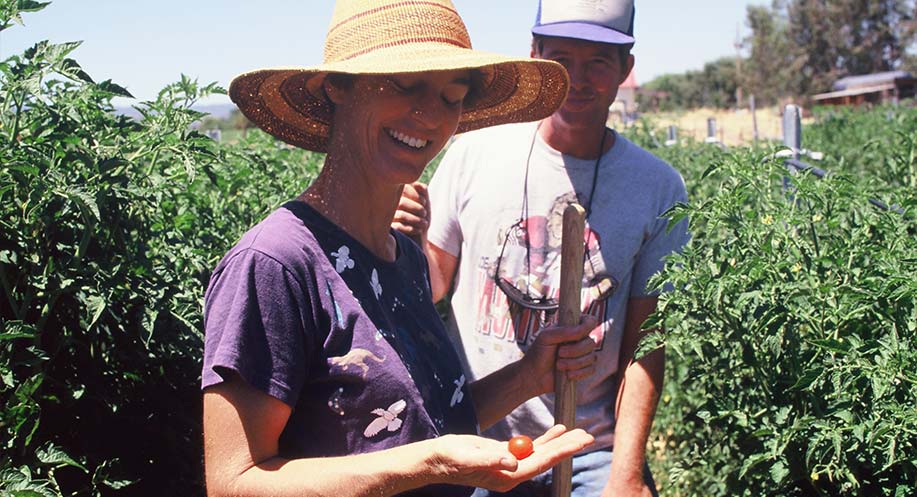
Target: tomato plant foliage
column 792, row 330
column 110, row 228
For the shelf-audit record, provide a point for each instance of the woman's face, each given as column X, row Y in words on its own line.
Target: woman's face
column 396, row 124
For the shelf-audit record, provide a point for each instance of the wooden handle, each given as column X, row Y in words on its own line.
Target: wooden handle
column 571, row 283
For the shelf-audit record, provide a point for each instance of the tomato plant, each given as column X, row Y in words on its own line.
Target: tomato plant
column 792, row 330
column 521, row 446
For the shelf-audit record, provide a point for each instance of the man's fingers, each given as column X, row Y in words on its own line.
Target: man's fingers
column 417, row 192
column 410, row 219
column 561, row 334
column 577, row 368
column 574, row 350
column 421, row 190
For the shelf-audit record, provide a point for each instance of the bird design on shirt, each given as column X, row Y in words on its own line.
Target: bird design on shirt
column 358, row 358
column 343, row 261
column 374, row 283
column 458, row 394
column 387, row 419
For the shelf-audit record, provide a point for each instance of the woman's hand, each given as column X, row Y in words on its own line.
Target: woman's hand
column 413, row 215
column 567, row 348
column 482, row 462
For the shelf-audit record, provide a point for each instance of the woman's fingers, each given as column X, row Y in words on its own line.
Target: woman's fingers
column 482, row 462
column 552, row 433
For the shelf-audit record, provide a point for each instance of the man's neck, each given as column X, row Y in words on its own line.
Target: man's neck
column 582, row 143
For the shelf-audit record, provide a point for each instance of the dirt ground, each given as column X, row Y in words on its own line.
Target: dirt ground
column 733, row 127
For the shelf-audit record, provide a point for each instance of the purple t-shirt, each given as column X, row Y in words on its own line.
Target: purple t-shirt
column 305, row 313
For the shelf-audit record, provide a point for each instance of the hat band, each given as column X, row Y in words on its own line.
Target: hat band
column 399, row 23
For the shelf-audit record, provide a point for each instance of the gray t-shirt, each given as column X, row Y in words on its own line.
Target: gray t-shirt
column 305, row 313
column 477, row 213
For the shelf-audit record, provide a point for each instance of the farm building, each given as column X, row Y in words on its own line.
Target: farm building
column 878, row 88
column 626, row 101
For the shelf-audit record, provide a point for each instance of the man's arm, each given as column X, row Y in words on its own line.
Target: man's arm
column 413, row 219
column 638, row 395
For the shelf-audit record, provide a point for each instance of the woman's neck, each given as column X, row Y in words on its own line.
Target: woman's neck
column 362, row 209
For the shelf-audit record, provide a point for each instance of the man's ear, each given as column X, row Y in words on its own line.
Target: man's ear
column 629, row 66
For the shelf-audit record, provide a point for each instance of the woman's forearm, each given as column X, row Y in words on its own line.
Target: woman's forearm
column 376, row 474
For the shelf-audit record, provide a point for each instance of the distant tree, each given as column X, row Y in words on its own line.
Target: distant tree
column 238, row 121
column 769, row 73
column 713, row 86
column 800, row 47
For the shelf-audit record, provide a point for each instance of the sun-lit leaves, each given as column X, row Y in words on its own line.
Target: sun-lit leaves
column 793, row 326
column 109, row 228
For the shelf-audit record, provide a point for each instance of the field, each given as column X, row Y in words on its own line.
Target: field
column 792, row 332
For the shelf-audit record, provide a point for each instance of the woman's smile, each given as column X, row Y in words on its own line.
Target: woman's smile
column 408, row 140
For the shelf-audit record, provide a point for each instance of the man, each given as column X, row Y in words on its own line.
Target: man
column 494, row 242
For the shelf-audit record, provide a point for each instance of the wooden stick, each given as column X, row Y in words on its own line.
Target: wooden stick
column 571, row 283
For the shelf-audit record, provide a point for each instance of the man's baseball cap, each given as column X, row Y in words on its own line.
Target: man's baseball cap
column 604, row 21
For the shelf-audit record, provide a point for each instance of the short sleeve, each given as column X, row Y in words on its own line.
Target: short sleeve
column 660, row 243
column 445, row 230
column 256, row 320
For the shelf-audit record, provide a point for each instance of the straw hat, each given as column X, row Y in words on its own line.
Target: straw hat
column 389, row 37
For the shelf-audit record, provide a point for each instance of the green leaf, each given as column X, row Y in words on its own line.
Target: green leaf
column 806, row 380
column 113, row 89
column 831, row 345
column 779, row 472
column 751, row 462
column 15, row 336
column 96, row 305
column 53, row 455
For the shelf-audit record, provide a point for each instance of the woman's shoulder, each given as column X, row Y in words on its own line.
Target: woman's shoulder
column 281, row 238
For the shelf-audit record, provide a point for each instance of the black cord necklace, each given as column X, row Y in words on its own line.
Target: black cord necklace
column 525, row 199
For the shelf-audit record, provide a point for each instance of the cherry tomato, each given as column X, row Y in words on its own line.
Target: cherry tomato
column 521, row 446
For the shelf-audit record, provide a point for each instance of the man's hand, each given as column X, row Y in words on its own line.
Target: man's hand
column 561, row 348
column 413, row 215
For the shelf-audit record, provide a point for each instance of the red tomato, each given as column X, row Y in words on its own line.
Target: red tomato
column 521, row 446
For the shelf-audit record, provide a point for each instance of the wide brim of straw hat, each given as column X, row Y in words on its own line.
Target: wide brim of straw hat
column 290, row 104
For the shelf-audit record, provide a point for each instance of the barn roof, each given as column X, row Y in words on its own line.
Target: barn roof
column 865, row 80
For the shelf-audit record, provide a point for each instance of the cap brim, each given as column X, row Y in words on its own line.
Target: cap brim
column 284, row 101
column 583, row 31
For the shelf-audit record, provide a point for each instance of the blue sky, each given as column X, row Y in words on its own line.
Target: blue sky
column 144, row 45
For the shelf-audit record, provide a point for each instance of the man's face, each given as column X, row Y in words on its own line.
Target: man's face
column 595, row 71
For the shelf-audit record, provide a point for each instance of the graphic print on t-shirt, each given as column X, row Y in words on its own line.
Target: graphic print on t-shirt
column 531, row 250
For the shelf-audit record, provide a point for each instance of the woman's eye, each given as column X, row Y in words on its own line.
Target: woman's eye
column 399, row 86
column 456, row 96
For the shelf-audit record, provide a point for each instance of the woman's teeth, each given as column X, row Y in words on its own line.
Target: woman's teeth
column 408, row 140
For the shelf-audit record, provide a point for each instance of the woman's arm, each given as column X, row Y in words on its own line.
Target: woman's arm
column 242, row 427
column 569, row 349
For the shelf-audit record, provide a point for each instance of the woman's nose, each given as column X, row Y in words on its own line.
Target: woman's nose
column 428, row 109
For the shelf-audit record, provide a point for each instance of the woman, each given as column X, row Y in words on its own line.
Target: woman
column 326, row 369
